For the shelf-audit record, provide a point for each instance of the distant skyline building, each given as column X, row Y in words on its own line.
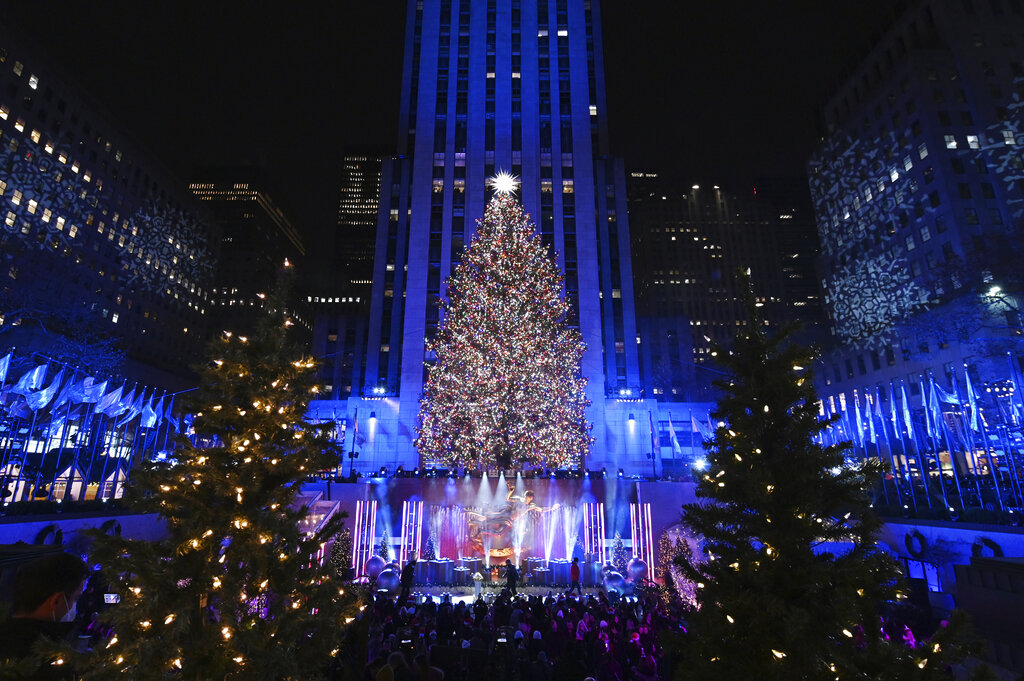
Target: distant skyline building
column 256, row 238
column 501, row 85
column 94, row 228
column 341, row 312
column 358, row 205
column 689, row 245
column 919, row 201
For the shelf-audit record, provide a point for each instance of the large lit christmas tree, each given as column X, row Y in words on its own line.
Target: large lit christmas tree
column 234, row 590
column 506, row 389
column 794, row 582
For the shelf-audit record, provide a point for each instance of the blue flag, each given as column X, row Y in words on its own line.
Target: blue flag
column 943, row 396
column 169, row 416
column 859, row 432
column 134, row 406
column 972, row 400
column 94, row 392
column 40, row 399
column 927, row 410
column 881, row 417
column 907, row 421
column 936, row 410
column 30, row 381
column 701, row 429
column 868, row 411
column 1017, row 398
column 5, row 364
column 64, row 396
column 151, row 415
column 88, row 391
column 892, row 409
column 108, row 402
column 676, row 449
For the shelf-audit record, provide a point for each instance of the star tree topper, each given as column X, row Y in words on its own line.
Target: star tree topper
column 504, row 183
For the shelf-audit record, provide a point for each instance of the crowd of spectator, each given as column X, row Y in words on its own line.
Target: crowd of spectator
column 516, row 638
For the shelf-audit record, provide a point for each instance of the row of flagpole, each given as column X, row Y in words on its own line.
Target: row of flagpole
column 52, row 408
column 903, row 434
column 921, row 433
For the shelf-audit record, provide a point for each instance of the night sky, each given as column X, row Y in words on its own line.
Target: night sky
column 721, row 91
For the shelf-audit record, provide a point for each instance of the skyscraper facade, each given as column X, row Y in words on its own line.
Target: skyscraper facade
column 358, row 203
column 490, row 85
column 341, row 312
column 96, row 235
column 689, row 245
column 918, row 195
column 256, row 238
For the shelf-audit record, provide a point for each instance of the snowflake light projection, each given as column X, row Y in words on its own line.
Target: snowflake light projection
column 869, row 296
column 158, row 248
column 1000, row 148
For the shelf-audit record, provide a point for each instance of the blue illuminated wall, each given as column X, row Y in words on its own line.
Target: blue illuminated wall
column 91, row 227
column 920, row 202
column 489, row 85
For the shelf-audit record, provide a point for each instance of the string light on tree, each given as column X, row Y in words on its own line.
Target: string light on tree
column 793, row 565
column 506, row 388
column 235, row 555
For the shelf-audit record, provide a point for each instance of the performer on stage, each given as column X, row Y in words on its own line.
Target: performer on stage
column 574, row 576
column 407, row 579
column 511, row 576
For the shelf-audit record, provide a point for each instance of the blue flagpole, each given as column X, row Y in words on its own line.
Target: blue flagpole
column 905, row 463
column 65, row 428
column 920, row 455
column 984, row 441
column 1004, row 437
column 100, row 441
column 167, row 426
column 941, row 423
column 24, row 449
column 84, row 428
column 888, row 448
column 969, row 440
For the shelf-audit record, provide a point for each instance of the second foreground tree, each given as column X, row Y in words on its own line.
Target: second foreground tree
column 506, row 389
column 234, row 590
column 794, row 582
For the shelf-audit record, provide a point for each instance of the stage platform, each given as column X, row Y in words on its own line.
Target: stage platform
column 465, row 594
column 467, row 525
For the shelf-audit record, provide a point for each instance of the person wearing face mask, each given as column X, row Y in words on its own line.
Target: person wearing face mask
column 45, row 596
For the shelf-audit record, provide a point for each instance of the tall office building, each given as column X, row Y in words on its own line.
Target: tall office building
column 96, row 233
column 358, row 203
column 341, row 312
column 919, row 199
column 256, row 238
column 689, row 245
column 489, row 85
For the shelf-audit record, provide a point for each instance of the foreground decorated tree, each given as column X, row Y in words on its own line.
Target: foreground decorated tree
column 794, row 584
column 506, row 389
column 234, row 591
